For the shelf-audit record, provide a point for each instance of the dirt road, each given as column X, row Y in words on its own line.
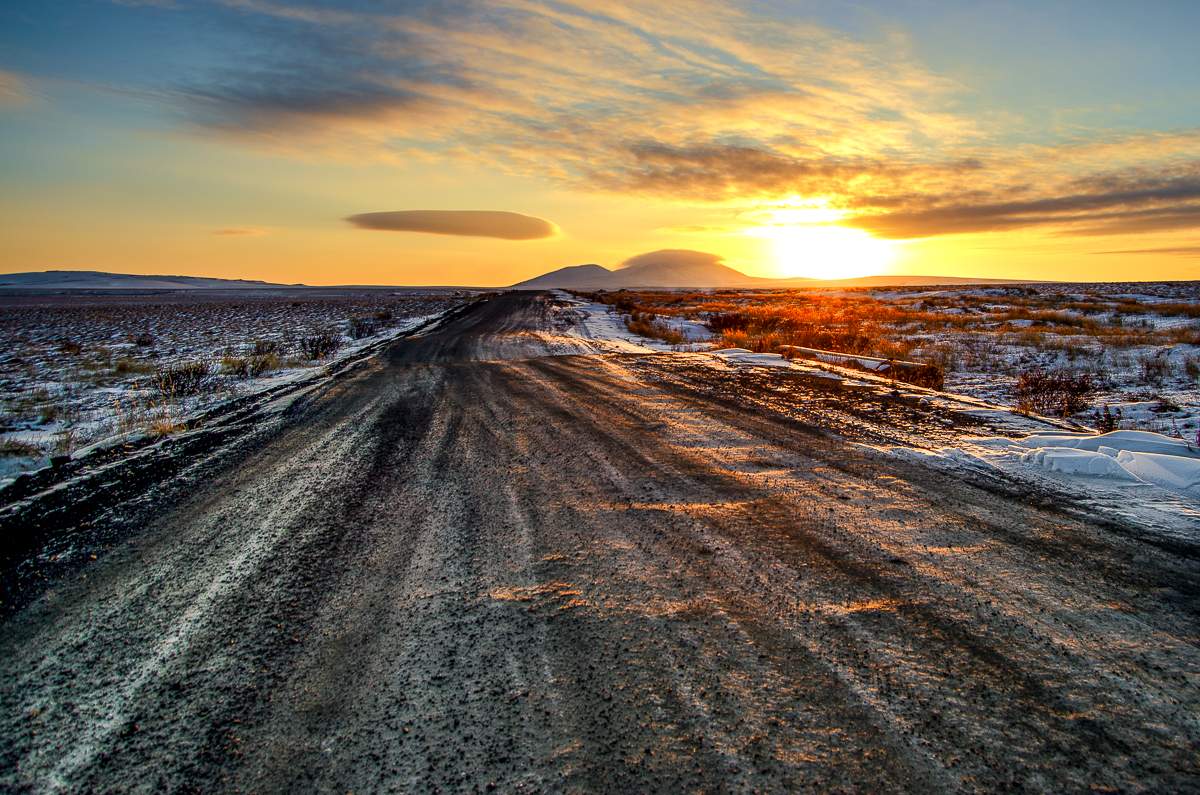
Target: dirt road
column 472, row 565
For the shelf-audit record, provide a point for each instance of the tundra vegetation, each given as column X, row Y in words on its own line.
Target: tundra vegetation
column 79, row 368
column 1126, row 352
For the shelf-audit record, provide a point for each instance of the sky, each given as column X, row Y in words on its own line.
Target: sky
column 465, row 143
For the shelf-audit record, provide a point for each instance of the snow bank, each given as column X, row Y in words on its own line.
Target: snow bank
column 1158, row 492
column 750, row 358
column 1132, row 441
column 1135, row 456
column 1169, row 471
column 1070, row 461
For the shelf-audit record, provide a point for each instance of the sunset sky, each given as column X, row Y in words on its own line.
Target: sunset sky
column 308, row 140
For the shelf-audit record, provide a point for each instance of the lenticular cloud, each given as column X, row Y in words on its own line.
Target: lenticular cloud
column 470, row 223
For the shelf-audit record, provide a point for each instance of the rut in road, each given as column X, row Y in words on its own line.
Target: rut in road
column 473, row 564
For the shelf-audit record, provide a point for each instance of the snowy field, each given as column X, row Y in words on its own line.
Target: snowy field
column 1150, row 477
column 1134, row 348
column 79, row 368
column 1145, row 478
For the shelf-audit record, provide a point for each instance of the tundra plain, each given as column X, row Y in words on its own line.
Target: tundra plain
column 508, row 552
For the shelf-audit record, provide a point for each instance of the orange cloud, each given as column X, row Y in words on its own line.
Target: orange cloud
column 696, row 101
column 241, row 231
column 468, row 223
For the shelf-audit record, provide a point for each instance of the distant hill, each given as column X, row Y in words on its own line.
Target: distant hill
column 99, row 280
column 578, row 277
column 666, row 268
column 679, row 268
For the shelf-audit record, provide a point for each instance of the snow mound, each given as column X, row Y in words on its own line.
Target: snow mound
column 1132, row 441
column 1070, row 461
column 1122, row 455
column 1170, row 471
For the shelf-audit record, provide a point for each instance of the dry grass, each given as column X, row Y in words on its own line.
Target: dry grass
column 252, row 365
column 320, row 345
column 127, row 366
column 645, row 325
column 858, row 323
column 184, row 379
column 14, row 448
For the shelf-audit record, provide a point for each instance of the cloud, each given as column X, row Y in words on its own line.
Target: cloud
column 695, row 101
column 470, row 223
column 1099, row 205
column 12, row 89
column 1177, row 251
column 672, row 257
column 563, row 89
column 240, row 231
column 718, row 172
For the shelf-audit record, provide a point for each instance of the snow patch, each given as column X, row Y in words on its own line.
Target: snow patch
column 1147, row 479
column 1131, row 441
column 749, row 358
column 1070, row 461
column 1169, row 471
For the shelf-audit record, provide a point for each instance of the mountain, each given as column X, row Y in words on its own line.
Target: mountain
column 680, row 268
column 99, row 280
column 576, row 277
column 665, row 268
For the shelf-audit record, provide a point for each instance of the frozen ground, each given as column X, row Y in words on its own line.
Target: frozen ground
column 1146, row 363
column 475, row 564
column 609, row 330
column 1150, row 479
column 1139, row 343
column 81, row 368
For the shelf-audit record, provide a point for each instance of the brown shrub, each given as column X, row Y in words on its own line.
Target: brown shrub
column 360, row 327
column 183, row 379
column 320, row 345
column 251, row 366
column 1154, row 368
column 126, row 366
column 265, row 347
column 1062, row 392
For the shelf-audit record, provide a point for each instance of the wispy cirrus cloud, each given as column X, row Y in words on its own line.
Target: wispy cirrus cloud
column 585, row 85
column 467, row 223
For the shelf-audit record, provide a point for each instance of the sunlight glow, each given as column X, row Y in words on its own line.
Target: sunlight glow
column 823, row 251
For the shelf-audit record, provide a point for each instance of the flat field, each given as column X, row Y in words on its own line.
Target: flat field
column 78, row 367
column 1130, row 350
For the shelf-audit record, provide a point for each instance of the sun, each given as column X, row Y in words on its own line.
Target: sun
column 826, row 251
column 806, row 240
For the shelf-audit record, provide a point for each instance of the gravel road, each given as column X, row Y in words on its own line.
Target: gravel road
column 471, row 565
